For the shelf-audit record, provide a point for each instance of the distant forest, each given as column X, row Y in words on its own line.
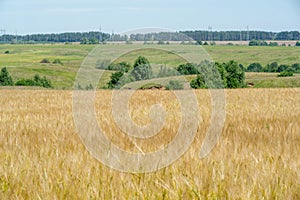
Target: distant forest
column 163, row 36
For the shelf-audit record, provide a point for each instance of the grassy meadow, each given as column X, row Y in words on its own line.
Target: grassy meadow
column 23, row 61
column 257, row 156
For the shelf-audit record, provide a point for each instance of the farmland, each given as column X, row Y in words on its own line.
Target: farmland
column 23, row 61
column 256, row 157
column 43, row 157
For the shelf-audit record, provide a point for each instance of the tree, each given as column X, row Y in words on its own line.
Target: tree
column 254, row 67
column 141, row 69
column 271, row 67
column 84, row 41
column 198, row 83
column 297, row 44
column 114, row 79
column 282, row 68
column 5, row 78
column 223, row 73
column 187, row 69
column 235, row 75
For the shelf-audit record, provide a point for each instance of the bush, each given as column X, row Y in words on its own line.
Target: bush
column 235, row 75
column 187, row 69
column 285, row 74
column 198, row 83
column 297, row 44
column 151, row 86
column 141, row 69
column 57, row 61
column 174, row 85
column 254, row 67
column 114, row 79
column 37, row 81
column 45, row 60
column 5, row 78
column 6, row 52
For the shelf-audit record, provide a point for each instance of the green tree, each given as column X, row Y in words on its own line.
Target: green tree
column 254, row 67
column 5, row 78
column 114, row 79
column 141, row 69
column 187, row 69
column 297, row 44
column 235, row 75
column 84, row 41
column 222, row 72
column 199, row 82
column 271, row 67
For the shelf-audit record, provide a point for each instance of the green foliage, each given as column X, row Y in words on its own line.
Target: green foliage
column 160, row 42
column 187, row 69
column 273, row 44
column 151, row 86
column 297, row 44
column 223, row 73
column 271, row 67
column 142, row 69
column 5, row 78
column 114, row 79
column 205, row 43
column 89, row 87
column 45, row 60
column 258, row 43
column 199, row 42
column 7, row 52
column 282, row 68
column 174, row 85
column 255, row 67
column 166, row 72
column 235, row 75
column 121, row 66
column 198, row 83
column 141, row 60
column 36, row 81
column 285, row 74
column 89, row 41
column 57, row 61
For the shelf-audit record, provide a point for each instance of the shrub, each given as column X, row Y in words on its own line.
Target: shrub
column 36, row 81
column 151, row 86
column 254, row 67
column 5, row 78
column 45, row 60
column 174, row 85
column 285, row 74
column 198, row 83
column 187, row 69
column 141, row 69
column 57, row 61
column 7, row 52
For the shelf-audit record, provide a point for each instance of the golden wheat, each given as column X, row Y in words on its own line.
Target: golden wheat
column 257, row 156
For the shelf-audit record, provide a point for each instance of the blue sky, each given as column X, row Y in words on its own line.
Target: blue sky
column 47, row 16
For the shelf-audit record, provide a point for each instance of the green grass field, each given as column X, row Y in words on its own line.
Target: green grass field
column 23, row 61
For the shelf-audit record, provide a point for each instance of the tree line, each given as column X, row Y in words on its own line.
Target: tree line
column 6, row 80
column 96, row 37
column 209, row 74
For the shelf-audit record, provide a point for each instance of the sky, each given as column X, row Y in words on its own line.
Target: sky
column 119, row 16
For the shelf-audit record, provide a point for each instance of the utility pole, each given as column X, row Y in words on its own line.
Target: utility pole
column 210, row 33
column 100, row 34
column 2, row 31
column 248, row 35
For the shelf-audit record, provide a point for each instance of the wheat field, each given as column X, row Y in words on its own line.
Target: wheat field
column 257, row 156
